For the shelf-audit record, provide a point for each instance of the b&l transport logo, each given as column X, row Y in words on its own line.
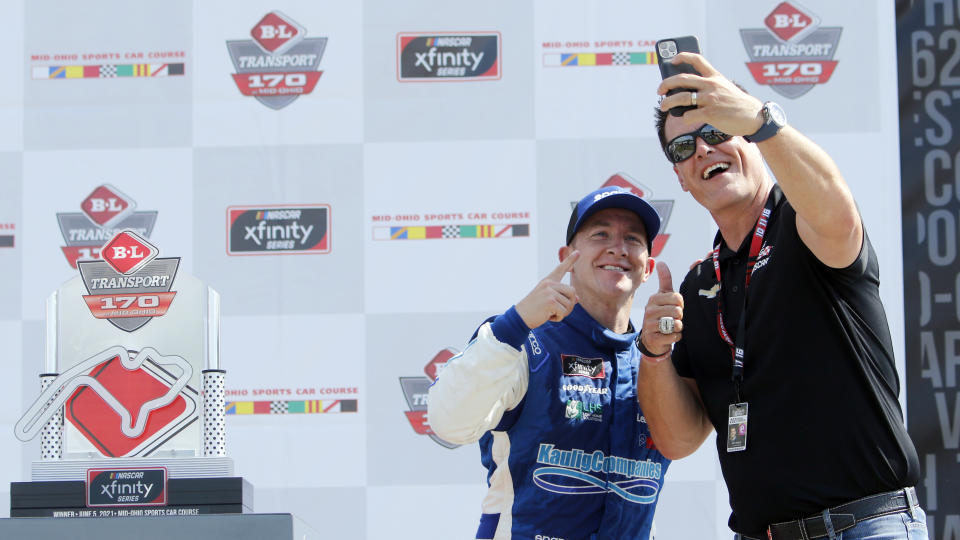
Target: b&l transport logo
column 125, row 403
column 614, row 52
column 104, row 212
column 415, row 391
column 447, row 56
column 279, row 64
column 130, row 286
column 663, row 207
column 277, row 229
column 793, row 53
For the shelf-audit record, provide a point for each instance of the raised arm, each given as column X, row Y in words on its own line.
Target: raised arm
column 490, row 377
column 827, row 217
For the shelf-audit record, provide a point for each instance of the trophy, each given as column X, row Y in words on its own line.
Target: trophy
column 131, row 406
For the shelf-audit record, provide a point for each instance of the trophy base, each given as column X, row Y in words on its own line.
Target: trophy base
column 212, row 527
column 177, row 467
column 185, row 497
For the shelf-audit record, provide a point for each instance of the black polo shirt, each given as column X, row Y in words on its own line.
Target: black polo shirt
column 825, row 426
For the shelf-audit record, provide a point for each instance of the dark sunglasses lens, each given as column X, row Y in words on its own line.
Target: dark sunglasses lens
column 681, row 148
column 712, row 135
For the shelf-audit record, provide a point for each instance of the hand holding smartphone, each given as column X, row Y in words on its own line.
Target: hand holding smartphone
column 666, row 50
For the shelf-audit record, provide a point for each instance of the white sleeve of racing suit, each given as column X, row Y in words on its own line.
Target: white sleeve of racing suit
column 476, row 387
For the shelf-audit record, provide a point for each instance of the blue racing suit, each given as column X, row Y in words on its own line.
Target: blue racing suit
column 567, row 449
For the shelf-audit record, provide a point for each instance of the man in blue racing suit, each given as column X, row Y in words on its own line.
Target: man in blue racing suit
column 549, row 390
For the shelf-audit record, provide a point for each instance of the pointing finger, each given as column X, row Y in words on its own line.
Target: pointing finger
column 564, row 267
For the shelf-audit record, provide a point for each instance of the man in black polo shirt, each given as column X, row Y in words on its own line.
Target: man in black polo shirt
column 785, row 349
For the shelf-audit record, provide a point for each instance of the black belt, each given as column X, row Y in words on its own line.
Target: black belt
column 844, row 516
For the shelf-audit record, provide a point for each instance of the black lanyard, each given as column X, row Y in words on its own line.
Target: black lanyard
column 737, row 349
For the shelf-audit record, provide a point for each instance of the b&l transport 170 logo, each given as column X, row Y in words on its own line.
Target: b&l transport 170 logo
column 269, row 229
column 444, row 56
column 793, row 53
column 415, row 392
column 279, row 64
column 104, row 212
column 130, row 286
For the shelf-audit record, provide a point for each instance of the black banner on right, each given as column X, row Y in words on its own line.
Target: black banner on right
column 928, row 56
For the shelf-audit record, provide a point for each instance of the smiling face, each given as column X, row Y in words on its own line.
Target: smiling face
column 614, row 259
column 722, row 176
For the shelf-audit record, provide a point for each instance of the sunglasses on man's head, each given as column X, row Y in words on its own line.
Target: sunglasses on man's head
column 681, row 147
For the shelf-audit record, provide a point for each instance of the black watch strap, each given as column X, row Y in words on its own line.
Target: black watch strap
column 773, row 121
column 646, row 352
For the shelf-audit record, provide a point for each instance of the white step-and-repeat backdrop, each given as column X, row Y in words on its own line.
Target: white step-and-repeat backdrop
column 412, row 165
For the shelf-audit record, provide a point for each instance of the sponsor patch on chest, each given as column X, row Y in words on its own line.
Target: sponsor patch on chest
column 581, row 410
column 583, row 367
column 763, row 257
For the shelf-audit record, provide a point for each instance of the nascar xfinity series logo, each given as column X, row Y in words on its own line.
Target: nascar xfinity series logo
column 261, row 230
column 793, row 53
column 130, row 285
column 104, row 212
column 142, row 487
column 465, row 56
column 582, row 367
column 569, row 472
column 415, row 392
column 279, row 64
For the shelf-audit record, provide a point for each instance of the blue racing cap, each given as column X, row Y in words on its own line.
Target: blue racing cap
column 614, row 197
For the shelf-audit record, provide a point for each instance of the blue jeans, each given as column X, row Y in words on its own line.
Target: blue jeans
column 900, row 526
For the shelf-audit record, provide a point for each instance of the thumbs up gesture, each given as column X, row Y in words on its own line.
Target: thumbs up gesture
column 666, row 303
column 551, row 299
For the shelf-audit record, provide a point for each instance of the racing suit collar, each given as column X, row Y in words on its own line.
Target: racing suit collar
column 599, row 334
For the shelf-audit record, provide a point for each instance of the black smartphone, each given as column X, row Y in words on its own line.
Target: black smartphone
column 666, row 50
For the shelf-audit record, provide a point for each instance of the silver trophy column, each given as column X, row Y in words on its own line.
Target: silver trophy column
column 51, row 437
column 214, row 404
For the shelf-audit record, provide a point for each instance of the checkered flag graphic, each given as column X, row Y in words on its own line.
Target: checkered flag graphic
column 621, row 58
column 278, row 407
column 450, row 231
column 108, row 70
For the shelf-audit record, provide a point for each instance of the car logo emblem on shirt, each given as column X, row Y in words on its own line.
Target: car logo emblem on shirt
column 711, row 292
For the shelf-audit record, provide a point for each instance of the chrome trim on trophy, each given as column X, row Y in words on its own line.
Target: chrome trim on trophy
column 50, row 356
column 212, row 323
column 181, row 467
